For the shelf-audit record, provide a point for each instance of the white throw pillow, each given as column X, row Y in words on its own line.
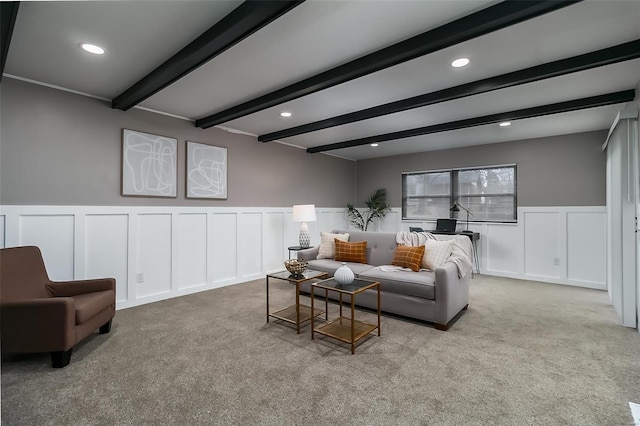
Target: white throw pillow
column 435, row 253
column 328, row 245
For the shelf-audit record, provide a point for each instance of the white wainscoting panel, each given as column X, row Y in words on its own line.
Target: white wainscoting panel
column 54, row 234
column 546, row 244
column 224, row 247
column 502, row 249
column 250, row 244
column 272, row 243
column 325, row 221
column 182, row 250
column 291, row 233
column 390, row 223
column 541, row 244
column 106, row 250
column 192, row 250
column 586, row 255
column 154, row 254
column 340, row 220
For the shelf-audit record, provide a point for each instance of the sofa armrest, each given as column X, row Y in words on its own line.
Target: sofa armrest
column 74, row 288
column 37, row 325
column 451, row 293
column 309, row 254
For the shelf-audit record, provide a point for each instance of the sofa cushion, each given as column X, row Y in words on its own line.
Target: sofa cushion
column 408, row 257
column 351, row 252
column 418, row 284
column 89, row 304
column 328, row 246
column 436, row 253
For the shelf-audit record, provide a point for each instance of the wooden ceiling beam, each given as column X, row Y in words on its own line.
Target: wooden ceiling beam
column 477, row 24
column 557, row 108
column 8, row 15
column 599, row 58
column 243, row 21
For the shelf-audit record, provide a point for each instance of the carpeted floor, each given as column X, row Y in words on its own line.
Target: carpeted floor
column 525, row 353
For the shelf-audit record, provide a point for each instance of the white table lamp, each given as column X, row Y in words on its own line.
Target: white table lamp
column 304, row 213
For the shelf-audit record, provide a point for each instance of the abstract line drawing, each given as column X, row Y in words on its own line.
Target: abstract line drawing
column 148, row 164
column 206, row 171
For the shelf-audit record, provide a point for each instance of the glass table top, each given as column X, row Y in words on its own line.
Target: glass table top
column 356, row 286
column 306, row 275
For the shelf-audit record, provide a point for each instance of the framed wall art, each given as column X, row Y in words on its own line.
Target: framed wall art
column 206, row 171
column 149, row 164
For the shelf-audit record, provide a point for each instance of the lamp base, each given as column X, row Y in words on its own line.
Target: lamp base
column 304, row 239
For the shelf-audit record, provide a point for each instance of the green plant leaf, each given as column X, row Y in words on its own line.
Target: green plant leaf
column 377, row 206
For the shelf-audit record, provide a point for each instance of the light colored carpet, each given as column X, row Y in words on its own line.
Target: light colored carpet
column 525, row 353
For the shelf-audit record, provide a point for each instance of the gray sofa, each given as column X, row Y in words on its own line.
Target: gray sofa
column 436, row 297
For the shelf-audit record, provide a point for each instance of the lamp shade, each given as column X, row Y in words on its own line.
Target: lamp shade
column 304, row 213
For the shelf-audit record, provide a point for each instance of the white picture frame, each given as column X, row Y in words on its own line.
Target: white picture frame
column 206, row 171
column 149, row 165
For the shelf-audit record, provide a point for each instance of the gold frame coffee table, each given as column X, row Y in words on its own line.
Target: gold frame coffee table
column 297, row 313
column 348, row 330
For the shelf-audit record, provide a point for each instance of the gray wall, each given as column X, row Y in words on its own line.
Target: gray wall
column 59, row 148
column 567, row 170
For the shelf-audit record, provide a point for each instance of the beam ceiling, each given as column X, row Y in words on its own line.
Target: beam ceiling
column 599, row 58
column 8, row 15
column 246, row 19
column 556, row 108
column 485, row 21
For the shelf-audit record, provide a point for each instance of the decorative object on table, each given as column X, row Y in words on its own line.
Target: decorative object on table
column 455, row 208
column 295, row 267
column 344, row 275
column 149, row 164
column 304, row 213
column 377, row 207
column 206, row 171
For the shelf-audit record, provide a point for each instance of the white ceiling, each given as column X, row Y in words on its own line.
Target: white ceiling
column 318, row 35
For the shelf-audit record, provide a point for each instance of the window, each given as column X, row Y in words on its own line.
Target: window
column 488, row 192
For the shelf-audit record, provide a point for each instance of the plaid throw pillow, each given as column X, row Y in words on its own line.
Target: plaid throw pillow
column 351, row 252
column 408, row 257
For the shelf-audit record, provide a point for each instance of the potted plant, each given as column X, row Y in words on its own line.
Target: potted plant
column 377, row 209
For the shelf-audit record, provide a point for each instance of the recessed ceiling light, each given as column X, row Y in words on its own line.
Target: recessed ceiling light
column 374, row 144
column 285, row 114
column 505, row 124
column 92, row 48
column 460, row 62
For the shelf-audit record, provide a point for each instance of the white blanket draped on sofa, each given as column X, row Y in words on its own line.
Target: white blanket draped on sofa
column 461, row 250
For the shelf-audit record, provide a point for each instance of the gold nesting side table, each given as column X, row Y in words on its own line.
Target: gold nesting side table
column 297, row 313
column 347, row 330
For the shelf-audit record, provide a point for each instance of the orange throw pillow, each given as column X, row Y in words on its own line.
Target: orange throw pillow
column 408, row 257
column 351, row 252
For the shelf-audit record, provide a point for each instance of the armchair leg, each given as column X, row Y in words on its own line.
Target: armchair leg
column 106, row 327
column 60, row 359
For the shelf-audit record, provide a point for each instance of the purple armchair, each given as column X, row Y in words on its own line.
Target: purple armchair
column 40, row 315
